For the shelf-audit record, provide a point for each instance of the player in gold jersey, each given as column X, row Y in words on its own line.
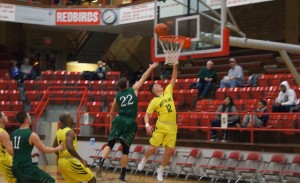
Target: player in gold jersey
column 6, row 151
column 166, row 127
column 72, row 166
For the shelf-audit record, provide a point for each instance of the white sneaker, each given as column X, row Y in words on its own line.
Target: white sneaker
column 213, row 140
column 142, row 164
column 223, row 140
column 160, row 175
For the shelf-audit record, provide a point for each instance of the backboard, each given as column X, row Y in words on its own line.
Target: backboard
column 197, row 20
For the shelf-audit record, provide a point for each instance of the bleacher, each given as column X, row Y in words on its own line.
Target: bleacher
column 101, row 94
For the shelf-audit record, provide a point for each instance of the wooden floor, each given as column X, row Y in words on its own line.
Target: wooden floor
column 110, row 177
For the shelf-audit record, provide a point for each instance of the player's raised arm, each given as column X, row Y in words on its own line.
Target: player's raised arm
column 112, row 111
column 146, row 74
column 174, row 75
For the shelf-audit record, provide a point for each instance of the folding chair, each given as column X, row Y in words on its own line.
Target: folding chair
column 151, row 165
column 209, row 169
column 273, row 168
column 115, row 160
column 188, row 163
column 97, row 156
column 226, row 171
column 291, row 173
column 168, row 168
column 135, row 157
column 248, row 170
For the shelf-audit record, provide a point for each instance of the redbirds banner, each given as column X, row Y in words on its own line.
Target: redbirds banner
column 78, row 17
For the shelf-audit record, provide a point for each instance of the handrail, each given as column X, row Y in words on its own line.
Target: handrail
column 207, row 126
column 46, row 98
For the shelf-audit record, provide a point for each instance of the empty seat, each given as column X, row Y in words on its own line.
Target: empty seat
column 60, row 75
column 14, row 94
column 30, row 84
column 96, row 85
column 47, row 75
column 4, row 95
column 113, row 75
column 3, row 84
column 73, row 76
column 16, row 106
column 94, row 106
column 5, row 106
column 12, row 84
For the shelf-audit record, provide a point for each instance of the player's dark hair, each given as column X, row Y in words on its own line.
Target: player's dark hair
column 151, row 88
column 122, row 83
column 21, row 116
column 63, row 118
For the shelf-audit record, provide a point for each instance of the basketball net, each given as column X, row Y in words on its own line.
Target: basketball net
column 172, row 46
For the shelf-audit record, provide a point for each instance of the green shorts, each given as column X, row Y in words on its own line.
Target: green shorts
column 123, row 128
column 32, row 174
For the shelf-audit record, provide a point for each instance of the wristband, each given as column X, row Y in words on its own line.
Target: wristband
column 147, row 125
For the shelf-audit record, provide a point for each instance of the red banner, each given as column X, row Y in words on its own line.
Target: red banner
column 78, row 17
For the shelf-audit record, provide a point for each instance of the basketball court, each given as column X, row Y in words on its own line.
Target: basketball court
column 110, row 177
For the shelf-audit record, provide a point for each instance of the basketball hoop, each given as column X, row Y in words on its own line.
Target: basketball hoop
column 172, row 46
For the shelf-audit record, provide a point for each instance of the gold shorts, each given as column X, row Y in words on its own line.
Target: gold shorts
column 164, row 139
column 74, row 171
column 6, row 170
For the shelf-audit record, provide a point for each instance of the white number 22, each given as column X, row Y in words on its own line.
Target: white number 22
column 126, row 100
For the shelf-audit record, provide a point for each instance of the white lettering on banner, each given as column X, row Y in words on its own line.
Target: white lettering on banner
column 230, row 3
column 69, row 17
column 7, row 12
column 137, row 13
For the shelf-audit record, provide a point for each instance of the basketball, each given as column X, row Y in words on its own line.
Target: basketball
column 161, row 29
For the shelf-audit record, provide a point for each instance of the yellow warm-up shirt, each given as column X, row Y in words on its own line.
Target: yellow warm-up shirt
column 166, row 111
column 3, row 152
column 61, row 136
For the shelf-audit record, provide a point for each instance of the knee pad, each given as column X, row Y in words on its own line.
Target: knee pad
column 111, row 143
column 125, row 148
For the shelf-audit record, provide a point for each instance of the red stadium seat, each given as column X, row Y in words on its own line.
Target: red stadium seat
column 14, row 94
column 72, row 94
column 110, row 85
column 4, row 74
column 4, row 95
column 94, row 106
column 5, row 106
column 96, row 85
column 32, row 95
column 73, row 76
column 43, row 84
column 60, row 75
column 220, row 93
column 233, row 93
column 57, row 96
column 3, row 84
column 98, row 96
column 47, row 75
column 244, row 93
column 12, row 84
column 30, row 84
column 84, row 83
column 113, row 75
column 16, row 106
column 110, row 96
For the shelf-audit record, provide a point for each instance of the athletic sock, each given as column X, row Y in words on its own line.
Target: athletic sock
column 101, row 162
column 123, row 174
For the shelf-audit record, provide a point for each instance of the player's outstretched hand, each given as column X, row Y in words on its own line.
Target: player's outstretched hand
column 154, row 65
column 149, row 130
column 61, row 147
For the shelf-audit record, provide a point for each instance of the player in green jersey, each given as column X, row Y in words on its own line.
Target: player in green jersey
column 23, row 140
column 124, row 127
